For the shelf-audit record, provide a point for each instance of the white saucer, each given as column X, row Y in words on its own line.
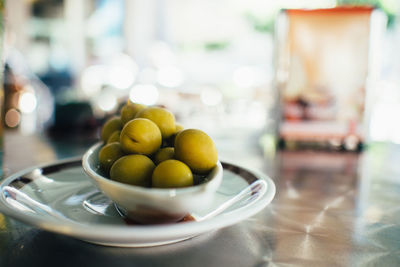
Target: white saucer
column 60, row 198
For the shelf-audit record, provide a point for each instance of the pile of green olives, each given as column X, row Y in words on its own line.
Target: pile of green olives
column 144, row 146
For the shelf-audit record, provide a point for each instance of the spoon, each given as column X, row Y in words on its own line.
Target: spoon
column 247, row 195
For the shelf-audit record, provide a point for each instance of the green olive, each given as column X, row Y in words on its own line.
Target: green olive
column 178, row 128
column 108, row 154
column 164, row 154
column 129, row 111
column 140, row 136
column 111, row 125
column 172, row 174
column 170, row 141
column 197, row 150
column 164, row 119
column 114, row 137
column 133, row 169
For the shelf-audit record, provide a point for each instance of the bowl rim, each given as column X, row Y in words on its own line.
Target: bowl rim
column 215, row 180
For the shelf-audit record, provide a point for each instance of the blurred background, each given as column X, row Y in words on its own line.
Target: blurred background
column 70, row 64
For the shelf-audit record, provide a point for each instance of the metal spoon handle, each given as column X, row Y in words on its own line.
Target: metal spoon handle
column 249, row 192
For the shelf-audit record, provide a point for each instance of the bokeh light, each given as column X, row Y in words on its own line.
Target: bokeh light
column 27, row 102
column 93, row 78
column 12, row 118
column 107, row 101
column 122, row 72
column 146, row 94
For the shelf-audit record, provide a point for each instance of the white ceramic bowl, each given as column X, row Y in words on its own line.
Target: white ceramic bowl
column 152, row 205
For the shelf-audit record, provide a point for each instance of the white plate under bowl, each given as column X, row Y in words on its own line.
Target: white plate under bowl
column 60, row 198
